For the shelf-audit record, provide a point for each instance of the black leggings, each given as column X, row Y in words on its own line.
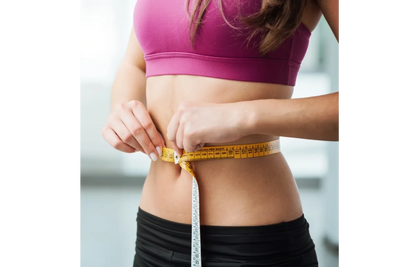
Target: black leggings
column 166, row 243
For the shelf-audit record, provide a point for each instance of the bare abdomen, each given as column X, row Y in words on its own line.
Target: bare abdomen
column 252, row 191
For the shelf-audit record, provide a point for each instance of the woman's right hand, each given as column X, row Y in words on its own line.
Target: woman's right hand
column 129, row 128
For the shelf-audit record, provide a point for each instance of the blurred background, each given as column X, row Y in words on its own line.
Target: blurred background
column 111, row 181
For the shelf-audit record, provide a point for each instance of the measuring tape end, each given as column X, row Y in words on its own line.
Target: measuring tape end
column 176, row 158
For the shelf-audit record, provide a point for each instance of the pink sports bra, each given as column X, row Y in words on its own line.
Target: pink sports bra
column 219, row 50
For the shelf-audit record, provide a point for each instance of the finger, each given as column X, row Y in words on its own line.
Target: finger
column 188, row 143
column 124, row 134
column 179, row 136
column 173, row 127
column 143, row 117
column 191, row 143
column 112, row 138
column 199, row 146
column 172, row 131
column 140, row 135
column 177, row 149
column 163, row 143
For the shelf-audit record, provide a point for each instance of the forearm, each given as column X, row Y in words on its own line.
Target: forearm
column 314, row 118
column 129, row 84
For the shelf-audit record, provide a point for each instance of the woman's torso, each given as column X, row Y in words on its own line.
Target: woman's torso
column 254, row 191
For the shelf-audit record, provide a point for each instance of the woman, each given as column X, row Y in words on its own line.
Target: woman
column 220, row 73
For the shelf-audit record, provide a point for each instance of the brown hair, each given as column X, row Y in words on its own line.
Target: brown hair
column 279, row 18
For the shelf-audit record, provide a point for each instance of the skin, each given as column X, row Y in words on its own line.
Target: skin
column 161, row 111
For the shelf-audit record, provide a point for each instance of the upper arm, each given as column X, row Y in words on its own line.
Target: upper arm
column 134, row 54
column 130, row 81
column 330, row 10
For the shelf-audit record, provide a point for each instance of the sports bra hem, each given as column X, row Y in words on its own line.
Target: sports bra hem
column 241, row 69
column 171, row 55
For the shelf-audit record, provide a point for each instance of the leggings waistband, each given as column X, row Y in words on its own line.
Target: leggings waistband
column 224, row 230
column 276, row 241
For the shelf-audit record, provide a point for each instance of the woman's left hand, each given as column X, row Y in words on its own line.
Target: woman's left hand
column 196, row 123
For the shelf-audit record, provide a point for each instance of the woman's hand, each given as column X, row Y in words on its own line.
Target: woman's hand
column 129, row 128
column 196, row 123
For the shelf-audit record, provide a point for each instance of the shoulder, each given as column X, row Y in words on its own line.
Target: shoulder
column 311, row 15
column 330, row 10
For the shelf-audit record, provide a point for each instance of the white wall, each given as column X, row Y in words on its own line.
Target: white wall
column 105, row 28
column 330, row 185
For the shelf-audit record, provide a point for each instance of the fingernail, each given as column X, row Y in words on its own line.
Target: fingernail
column 153, row 156
column 159, row 150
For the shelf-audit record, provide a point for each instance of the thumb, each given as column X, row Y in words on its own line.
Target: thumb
column 177, row 149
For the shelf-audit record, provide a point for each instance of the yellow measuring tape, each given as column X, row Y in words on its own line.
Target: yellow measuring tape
column 212, row 153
